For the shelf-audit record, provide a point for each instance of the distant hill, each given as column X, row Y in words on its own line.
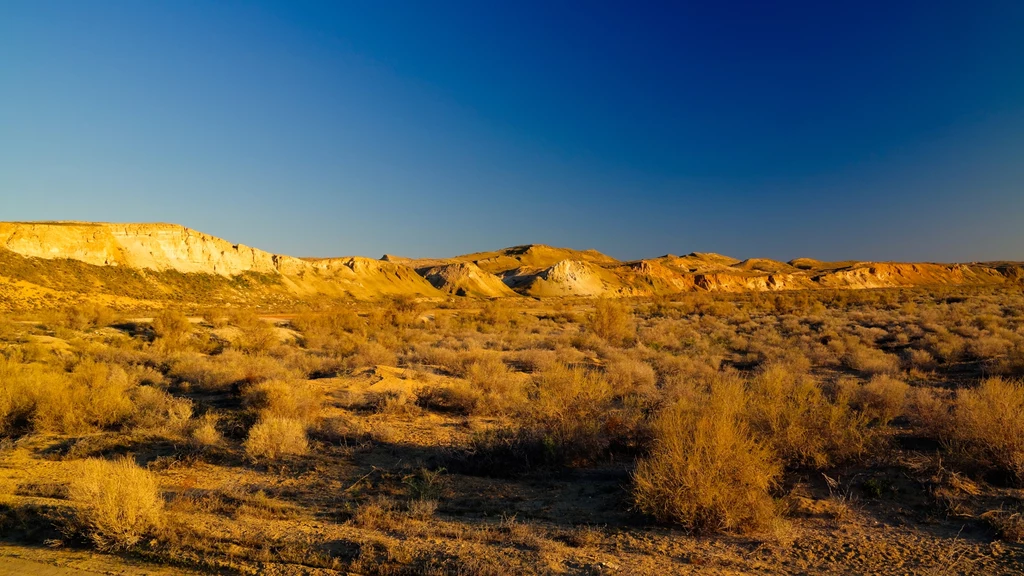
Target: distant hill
column 52, row 263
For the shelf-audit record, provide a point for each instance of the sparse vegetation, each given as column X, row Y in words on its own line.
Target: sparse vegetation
column 989, row 425
column 117, row 503
column 275, row 436
column 426, row 436
column 706, row 470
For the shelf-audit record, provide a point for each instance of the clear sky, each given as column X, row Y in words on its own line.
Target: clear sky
column 835, row 130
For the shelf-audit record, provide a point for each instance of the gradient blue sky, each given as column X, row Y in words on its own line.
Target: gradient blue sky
column 867, row 130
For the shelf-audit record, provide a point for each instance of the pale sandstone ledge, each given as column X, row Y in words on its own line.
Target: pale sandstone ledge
column 152, row 246
column 170, row 247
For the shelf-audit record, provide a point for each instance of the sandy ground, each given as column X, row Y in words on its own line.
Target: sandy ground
column 29, row 561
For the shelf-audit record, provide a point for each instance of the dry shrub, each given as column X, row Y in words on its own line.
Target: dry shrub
column 791, row 412
column 216, row 317
column 171, row 325
column 392, row 402
column 499, row 390
column 988, row 347
column 256, row 335
column 569, row 410
column 204, row 372
column 104, row 391
column 421, row 509
column 342, row 430
column 118, row 504
column 156, row 409
column 928, row 413
column 1013, row 364
column 86, row 316
column 22, row 386
column 535, row 360
column 706, row 471
column 453, row 398
column 612, row 321
column 253, row 368
column 920, row 360
column 213, row 373
column 1008, row 525
column 369, row 354
column 883, row 398
column 871, row 360
column 988, row 425
column 629, row 376
column 377, row 514
column 322, row 330
column 273, row 437
column 296, row 399
column 40, row 397
column 496, row 315
column 204, row 433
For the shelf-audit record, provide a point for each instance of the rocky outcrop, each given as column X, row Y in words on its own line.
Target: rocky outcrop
column 571, row 278
column 896, row 275
column 143, row 246
column 465, row 279
column 169, row 247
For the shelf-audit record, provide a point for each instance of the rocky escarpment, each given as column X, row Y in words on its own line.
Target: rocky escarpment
column 534, row 270
column 173, row 248
column 143, row 246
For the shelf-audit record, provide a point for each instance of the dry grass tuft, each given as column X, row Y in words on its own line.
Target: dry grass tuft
column 118, row 503
column 295, row 399
column 612, row 321
column 273, row 437
column 792, row 413
column 988, row 425
column 883, row 398
column 706, row 471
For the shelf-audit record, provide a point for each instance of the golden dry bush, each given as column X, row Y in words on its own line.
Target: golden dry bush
column 93, row 395
column 930, row 412
column 613, row 321
column 204, row 372
column 204, row 433
column 86, row 316
column 117, row 503
column 498, row 388
column 706, row 471
column 569, row 408
column 296, row 399
column 20, row 389
column 171, row 325
column 324, row 330
column 256, row 335
column 988, row 425
column 630, row 376
column 454, row 398
column 790, row 411
column 156, row 409
column 273, row 437
column 47, row 399
column 871, row 360
column 369, row 354
column 883, row 398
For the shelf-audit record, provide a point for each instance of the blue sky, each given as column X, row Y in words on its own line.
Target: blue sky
column 867, row 130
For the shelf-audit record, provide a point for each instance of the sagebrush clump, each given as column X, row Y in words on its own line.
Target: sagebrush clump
column 117, row 503
column 707, row 471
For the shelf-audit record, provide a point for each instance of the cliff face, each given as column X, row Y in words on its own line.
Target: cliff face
column 169, row 247
column 143, row 246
